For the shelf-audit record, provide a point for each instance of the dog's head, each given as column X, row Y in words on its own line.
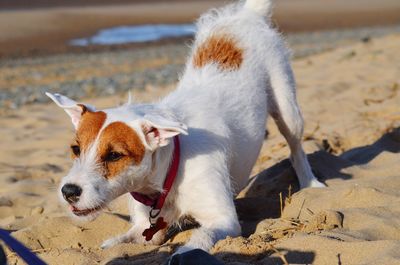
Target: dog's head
column 112, row 152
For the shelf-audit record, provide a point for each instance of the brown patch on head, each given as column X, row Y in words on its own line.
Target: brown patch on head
column 89, row 126
column 119, row 138
column 220, row 49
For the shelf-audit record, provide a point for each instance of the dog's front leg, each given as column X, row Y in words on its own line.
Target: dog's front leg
column 128, row 237
column 205, row 237
column 140, row 220
column 134, row 235
column 217, row 220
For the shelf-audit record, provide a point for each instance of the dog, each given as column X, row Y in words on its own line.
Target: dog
column 190, row 153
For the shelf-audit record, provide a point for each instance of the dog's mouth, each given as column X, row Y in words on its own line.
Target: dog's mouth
column 84, row 212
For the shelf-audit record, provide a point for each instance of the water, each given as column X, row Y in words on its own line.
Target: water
column 136, row 34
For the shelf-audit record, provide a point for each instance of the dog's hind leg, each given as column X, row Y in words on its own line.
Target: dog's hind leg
column 283, row 107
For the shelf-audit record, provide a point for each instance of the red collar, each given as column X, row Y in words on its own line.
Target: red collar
column 157, row 203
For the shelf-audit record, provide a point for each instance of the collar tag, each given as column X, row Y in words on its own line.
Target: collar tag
column 160, row 224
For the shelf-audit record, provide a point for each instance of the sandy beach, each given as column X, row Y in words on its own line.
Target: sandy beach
column 350, row 97
column 348, row 87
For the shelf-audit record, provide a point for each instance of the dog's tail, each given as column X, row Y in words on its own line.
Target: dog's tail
column 262, row 7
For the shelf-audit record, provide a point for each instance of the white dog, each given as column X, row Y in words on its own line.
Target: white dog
column 190, row 153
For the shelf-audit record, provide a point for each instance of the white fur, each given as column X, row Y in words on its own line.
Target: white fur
column 225, row 113
column 262, row 7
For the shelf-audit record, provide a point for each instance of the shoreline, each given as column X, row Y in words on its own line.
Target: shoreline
column 48, row 30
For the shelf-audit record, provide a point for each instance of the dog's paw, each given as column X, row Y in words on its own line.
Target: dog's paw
column 113, row 242
column 194, row 256
column 175, row 257
column 316, row 184
column 313, row 183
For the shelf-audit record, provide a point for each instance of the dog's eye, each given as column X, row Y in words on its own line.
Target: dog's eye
column 113, row 156
column 76, row 150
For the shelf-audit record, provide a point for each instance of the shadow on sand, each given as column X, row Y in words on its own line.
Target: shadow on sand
column 261, row 199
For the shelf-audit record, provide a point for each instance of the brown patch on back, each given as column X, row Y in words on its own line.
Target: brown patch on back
column 119, row 137
column 89, row 126
column 221, row 50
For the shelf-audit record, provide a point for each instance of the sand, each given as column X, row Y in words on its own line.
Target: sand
column 350, row 98
column 47, row 26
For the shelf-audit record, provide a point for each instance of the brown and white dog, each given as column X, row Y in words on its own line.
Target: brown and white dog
column 238, row 72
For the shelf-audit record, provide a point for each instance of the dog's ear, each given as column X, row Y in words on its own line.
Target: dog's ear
column 158, row 129
column 72, row 108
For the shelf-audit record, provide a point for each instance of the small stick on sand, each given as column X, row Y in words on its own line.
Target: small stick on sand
column 296, row 223
column 289, row 197
column 309, row 211
column 301, row 208
column 281, row 256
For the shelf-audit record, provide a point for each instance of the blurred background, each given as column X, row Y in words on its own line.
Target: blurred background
column 100, row 47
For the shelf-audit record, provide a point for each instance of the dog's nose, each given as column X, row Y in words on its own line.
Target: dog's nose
column 71, row 192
